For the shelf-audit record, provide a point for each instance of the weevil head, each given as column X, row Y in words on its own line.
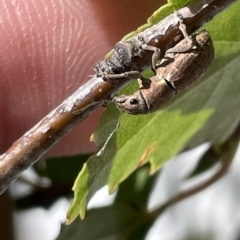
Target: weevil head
column 108, row 67
column 132, row 104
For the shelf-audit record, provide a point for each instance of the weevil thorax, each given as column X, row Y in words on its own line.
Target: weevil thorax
column 158, row 94
column 117, row 63
column 132, row 104
column 123, row 54
column 121, row 59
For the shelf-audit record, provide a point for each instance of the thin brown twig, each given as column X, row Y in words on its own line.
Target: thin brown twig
column 38, row 140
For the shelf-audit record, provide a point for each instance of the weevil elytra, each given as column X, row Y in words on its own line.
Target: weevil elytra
column 178, row 72
column 124, row 60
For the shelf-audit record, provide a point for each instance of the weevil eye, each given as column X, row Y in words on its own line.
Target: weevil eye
column 133, row 101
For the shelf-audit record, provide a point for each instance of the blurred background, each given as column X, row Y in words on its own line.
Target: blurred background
column 37, row 202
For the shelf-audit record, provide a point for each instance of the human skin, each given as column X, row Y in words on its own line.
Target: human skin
column 47, row 50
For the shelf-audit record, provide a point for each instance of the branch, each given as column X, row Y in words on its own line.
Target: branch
column 38, row 140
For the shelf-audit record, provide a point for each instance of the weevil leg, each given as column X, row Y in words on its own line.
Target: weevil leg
column 183, row 29
column 79, row 111
column 129, row 75
column 188, row 45
column 156, row 54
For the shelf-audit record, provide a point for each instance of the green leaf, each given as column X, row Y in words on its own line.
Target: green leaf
column 156, row 138
column 114, row 222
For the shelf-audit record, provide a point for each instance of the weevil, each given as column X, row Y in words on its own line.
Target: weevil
column 177, row 73
column 124, row 61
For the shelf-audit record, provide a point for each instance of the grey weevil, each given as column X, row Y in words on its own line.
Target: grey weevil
column 124, row 61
